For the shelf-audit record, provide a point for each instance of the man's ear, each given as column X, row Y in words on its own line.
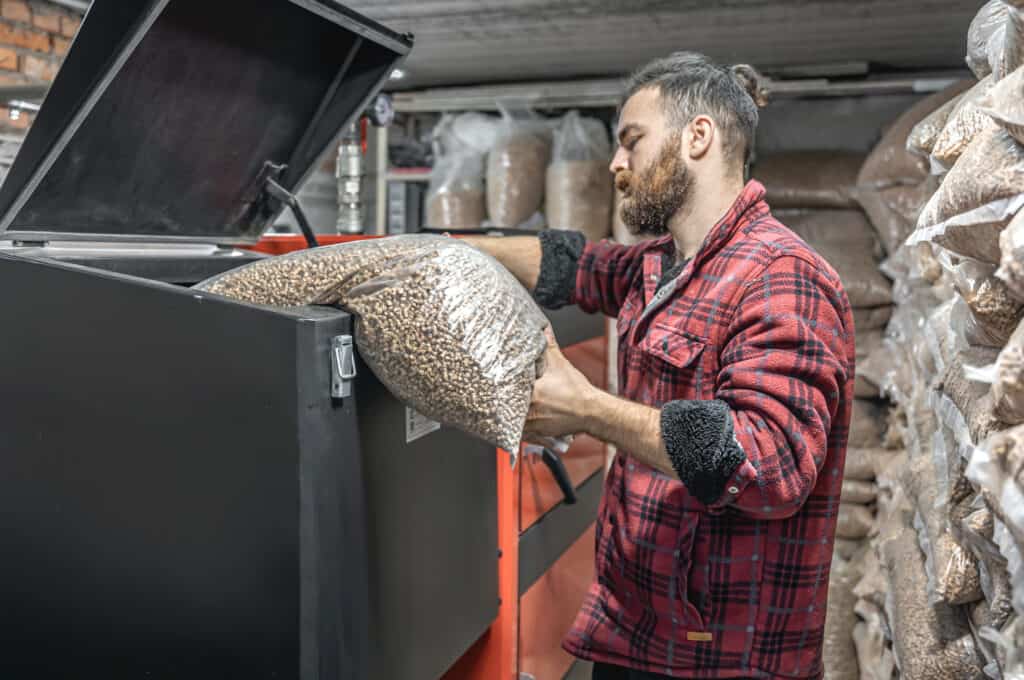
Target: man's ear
column 700, row 135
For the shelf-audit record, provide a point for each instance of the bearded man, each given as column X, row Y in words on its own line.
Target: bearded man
column 736, row 365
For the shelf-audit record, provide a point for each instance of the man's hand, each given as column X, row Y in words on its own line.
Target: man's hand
column 560, row 397
column 565, row 402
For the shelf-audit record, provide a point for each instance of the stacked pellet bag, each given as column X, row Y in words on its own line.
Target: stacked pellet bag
column 941, row 591
column 814, row 193
column 578, row 192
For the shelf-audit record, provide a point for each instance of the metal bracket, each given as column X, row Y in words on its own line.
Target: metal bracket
column 343, row 366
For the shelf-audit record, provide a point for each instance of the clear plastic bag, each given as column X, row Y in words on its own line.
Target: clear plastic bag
column 838, row 652
column 871, row 318
column 1011, row 262
column 997, row 469
column 951, row 568
column 874, row 655
column 832, row 228
column 1008, row 388
column 969, row 399
column 965, row 123
column 932, row 642
column 1005, row 48
column 455, row 196
column 443, row 326
column 923, row 136
column 1005, row 104
column 516, row 169
column 890, row 162
column 578, row 194
column 867, row 425
column 855, row 521
column 995, row 313
column 859, row 492
column 977, row 198
column 894, row 211
column 989, row 20
column 861, row 464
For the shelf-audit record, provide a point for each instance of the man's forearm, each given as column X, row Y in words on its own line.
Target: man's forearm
column 521, row 255
column 629, row 426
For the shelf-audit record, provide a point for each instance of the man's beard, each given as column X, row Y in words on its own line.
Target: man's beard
column 656, row 194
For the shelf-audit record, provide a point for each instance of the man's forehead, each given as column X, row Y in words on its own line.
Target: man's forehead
column 641, row 110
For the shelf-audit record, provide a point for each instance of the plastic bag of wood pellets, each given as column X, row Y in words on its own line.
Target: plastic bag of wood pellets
column 997, row 468
column 867, row 425
column 846, row 549
column 970, row 399
column 978, row 532
column 890, row 163
column 516, row 168
column 838, row 653
column 871, row 318
column 860, row 464
column 1005, row 104
column 977, row 199
column 810, row 179
column 855, row 521
column 995, row 313
column 443, row 326
column 859, row 493
column 872, row 585
column 951, row 567
column 894, row 211
column 863, row 388
column 455, row 196
column 1006, row 45
column 989, row 20
column 832, row 227
column 923, row 136
column 1008, row 387
column 931, row 642
column 578, row 192
column 1011, row 263
column 865, row 285
column 874, row 656
column 1010, row 549
column 877, row 370
column 965, row 123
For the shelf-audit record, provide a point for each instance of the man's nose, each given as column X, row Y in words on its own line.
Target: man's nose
column 619, row 161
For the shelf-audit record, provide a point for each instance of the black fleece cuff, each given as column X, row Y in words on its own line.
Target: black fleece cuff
column 699, row 439
column 560, row 258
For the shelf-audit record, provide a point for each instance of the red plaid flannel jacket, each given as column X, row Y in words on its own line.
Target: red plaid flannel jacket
column 738, row 587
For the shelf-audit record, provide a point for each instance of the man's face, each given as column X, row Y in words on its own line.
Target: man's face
column 649, row 165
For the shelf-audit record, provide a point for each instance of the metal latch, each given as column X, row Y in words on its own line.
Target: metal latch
column 343, row 366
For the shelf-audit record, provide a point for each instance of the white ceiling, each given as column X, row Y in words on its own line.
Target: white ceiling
column 474, row 41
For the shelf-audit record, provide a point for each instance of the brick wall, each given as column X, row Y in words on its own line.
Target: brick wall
column 34, row 37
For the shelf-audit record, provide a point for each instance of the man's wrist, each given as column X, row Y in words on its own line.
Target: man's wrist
column 593, row 404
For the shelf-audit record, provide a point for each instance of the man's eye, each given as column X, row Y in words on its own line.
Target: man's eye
column 631, row 142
